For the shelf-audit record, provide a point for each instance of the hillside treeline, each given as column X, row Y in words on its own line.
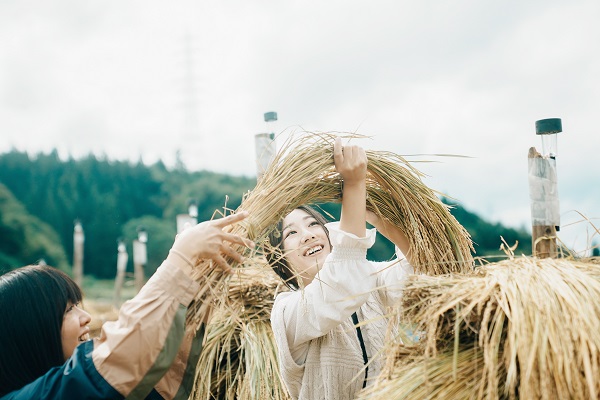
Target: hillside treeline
column 41, row 196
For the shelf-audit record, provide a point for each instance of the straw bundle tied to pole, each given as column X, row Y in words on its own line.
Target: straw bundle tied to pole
column 521, row 328
column 303, row 172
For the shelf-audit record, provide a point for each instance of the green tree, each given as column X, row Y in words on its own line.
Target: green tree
column 24, row 239
column 486, row 235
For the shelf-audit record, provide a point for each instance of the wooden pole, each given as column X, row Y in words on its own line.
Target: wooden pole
column 543, row 240
column 140, row 257
column 122, row 258
column 78, row 240
column 139, row 261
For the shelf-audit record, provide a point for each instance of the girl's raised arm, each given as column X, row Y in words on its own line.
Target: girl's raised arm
column 391, row 232
column 351, row 163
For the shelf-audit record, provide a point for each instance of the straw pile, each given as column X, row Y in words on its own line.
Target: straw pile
column 239, row 356
column 521, row 328
column 303, row 172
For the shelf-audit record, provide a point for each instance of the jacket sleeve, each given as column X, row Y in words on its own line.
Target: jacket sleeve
column 178, row 382
column 391, row 279
column 134, row 352
column 76, row 377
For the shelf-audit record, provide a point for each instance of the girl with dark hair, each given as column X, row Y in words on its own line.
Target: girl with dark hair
column 45, row 351
column 323, row 351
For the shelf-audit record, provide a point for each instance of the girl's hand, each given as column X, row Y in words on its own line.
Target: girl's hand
column 350, row 162
column 207, row 241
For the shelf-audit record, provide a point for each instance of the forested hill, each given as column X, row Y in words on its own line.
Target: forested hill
column 42, row 196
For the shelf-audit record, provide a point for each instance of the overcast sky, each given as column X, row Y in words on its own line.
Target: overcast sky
column 133, row 79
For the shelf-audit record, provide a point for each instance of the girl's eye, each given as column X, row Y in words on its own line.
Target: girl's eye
column 72, row 306
column 314, row 223
column 289, row 233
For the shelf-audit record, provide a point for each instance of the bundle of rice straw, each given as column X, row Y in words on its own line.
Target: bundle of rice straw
column 521, row 328
column 239, row 356
column 303, row 172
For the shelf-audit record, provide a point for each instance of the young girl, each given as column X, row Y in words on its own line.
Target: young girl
column 323, row 354
column 44, row 348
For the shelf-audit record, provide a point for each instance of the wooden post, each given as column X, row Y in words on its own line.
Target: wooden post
column 122, row 258
column 543, row 240
column 78, row 240
column 140, row 258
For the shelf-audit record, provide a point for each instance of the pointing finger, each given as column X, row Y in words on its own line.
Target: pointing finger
column 231, row 219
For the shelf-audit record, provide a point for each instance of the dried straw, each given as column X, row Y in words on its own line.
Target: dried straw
column 521, row 328
column 239, row 356
column 303, row 172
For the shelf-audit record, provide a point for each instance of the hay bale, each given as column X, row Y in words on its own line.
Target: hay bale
column 521, row 328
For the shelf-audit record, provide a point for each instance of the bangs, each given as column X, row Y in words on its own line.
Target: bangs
column 72, row 292
column 51, row 285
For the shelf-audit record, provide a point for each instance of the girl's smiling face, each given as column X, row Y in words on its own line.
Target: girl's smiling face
column 75, row 329
column 305, row 244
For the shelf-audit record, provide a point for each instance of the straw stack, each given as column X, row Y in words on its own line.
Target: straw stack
column 521, row 328
column 239, row 356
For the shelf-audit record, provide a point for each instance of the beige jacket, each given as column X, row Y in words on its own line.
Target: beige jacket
column 146, row 344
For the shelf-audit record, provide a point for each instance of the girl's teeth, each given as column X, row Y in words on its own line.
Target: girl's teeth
column 313, row 250
column 84, row 338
